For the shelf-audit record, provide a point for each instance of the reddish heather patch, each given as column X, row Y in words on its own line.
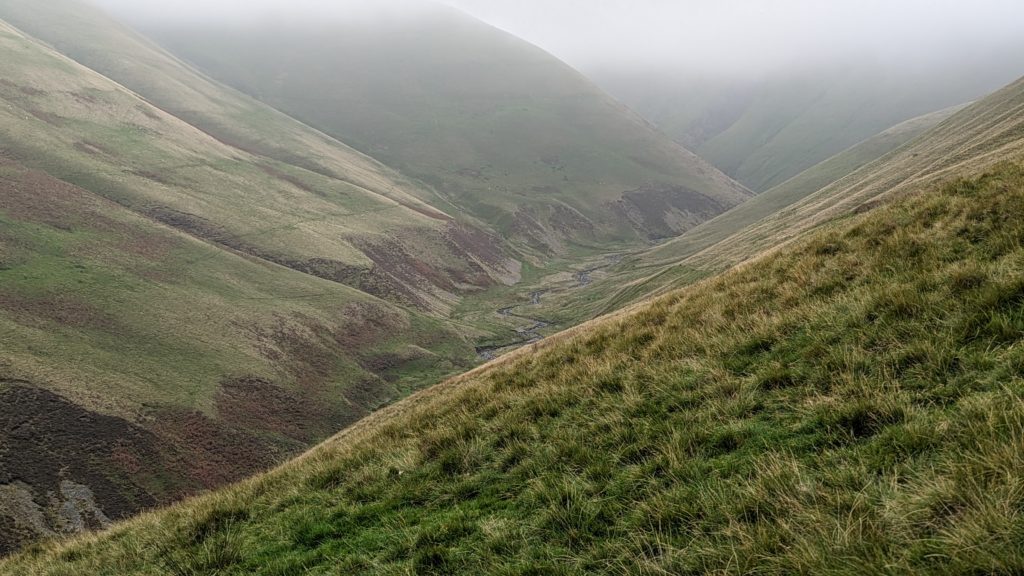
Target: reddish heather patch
column 471, row 241
column 199, row 227
column 210, row 454
column 646, row 209
column 374, row 280
column 570, row 221
column 527, row 228
column 405, row 269
column 127, row 458
column 546, row 228
column 258, row 405
column 309, row 349
column 61, row 309
column 32, row 196
column 46, row 439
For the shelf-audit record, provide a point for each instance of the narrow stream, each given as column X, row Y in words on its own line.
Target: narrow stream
column 531, row 333
column 524, row 335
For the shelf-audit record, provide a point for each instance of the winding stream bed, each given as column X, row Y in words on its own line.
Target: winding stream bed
column 530, row 333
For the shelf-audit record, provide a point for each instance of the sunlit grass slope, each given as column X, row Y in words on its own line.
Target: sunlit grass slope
column 851, row 405
column 499, row 128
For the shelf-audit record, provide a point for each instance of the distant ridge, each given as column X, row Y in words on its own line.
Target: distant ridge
column 498, row 128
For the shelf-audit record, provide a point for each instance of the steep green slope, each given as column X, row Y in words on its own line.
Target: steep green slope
column 971, row 141
column 642, row 274
column 140, row 365
column 92, row 38
column 968, row 142
column 333, row 213
column 854, row 405
column 164, row 329
column 800, row 186
column 497, row 127
column 764, row 131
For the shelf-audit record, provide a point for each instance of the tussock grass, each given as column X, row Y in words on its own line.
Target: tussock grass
column 853, row 405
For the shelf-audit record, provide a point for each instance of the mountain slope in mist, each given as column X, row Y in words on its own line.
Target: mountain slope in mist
column 970, row 141
column 241, row 174
column 141, row 365
column 764, row 131
column 499, row 129
column 194, row 285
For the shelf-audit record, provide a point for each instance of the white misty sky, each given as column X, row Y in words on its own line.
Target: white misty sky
column 745, row 34
column 724, row 35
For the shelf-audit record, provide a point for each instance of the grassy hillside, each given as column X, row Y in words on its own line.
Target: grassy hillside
column 180, row 310
column 970, row 141
column 243, row 175
column 852, row 405
column 764, row 131
column 140, row 365
column 500, row 130
column 799, row 187
column 640, row 274
column 91, row 37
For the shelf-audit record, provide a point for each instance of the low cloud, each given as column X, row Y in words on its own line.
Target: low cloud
column 725, row 36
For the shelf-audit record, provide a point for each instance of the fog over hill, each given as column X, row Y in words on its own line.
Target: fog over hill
column 726, row 37
column 762, row 90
